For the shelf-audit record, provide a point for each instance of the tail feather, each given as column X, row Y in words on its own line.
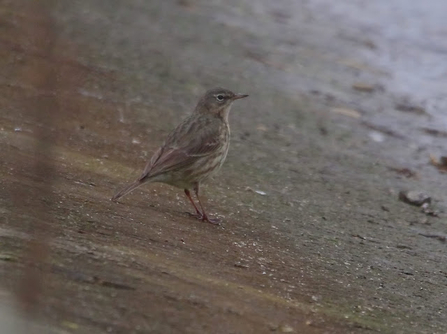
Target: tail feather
column 127, row 189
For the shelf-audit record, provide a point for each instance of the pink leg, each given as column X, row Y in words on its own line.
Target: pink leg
column 204, row 215
column 188, row 194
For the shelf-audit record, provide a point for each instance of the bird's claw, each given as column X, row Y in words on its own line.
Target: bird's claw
column 204, row 218
column 210, row 220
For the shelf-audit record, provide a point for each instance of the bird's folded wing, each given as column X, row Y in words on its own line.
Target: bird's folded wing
column 183, row 153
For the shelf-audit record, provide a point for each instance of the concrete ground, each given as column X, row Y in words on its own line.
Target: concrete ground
column 345, row 110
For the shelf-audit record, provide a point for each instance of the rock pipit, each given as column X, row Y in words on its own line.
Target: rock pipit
column 194, row 150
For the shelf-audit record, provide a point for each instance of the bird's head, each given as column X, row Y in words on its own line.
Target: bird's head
column 218, row 102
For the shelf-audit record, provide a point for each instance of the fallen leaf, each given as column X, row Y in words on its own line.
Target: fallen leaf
column 435, row 133
column 70, row 325
column 440, row 164
column 286, row 329
column 382, row 129
column 408, row 173
column 364, row 87
column 347, row 112
column 407, row 107
column 439, row 237
column 261, row 127
column 259, row 192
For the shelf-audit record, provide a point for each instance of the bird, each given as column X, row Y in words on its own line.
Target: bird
column 192, row 152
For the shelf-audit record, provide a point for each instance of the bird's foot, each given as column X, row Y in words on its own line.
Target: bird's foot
column 213, row 221
column 205, row 218
column 196, row 215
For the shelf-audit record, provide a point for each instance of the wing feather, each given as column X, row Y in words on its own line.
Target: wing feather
column 191, row 140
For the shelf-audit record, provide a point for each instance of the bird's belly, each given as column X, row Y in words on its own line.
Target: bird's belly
column 208, row 166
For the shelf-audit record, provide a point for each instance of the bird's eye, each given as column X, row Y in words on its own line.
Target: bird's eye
column 220, row 97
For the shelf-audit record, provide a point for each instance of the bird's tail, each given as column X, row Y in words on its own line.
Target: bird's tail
column 128, row 189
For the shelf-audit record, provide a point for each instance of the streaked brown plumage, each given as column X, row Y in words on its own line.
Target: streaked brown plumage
column 194, row 150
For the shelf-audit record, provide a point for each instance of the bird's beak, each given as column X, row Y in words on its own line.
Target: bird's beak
column 239, row 96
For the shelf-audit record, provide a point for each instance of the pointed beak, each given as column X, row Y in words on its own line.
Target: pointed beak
column 239, row 96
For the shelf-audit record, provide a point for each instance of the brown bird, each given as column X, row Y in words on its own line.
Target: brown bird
column 194, row 150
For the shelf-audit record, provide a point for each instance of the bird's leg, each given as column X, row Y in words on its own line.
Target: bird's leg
column 188, row 194
column 204, row 215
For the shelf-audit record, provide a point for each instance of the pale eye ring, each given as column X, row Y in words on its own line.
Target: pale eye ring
column 219, row 97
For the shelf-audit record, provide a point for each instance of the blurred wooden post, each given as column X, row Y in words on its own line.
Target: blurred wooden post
column 42, row 107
